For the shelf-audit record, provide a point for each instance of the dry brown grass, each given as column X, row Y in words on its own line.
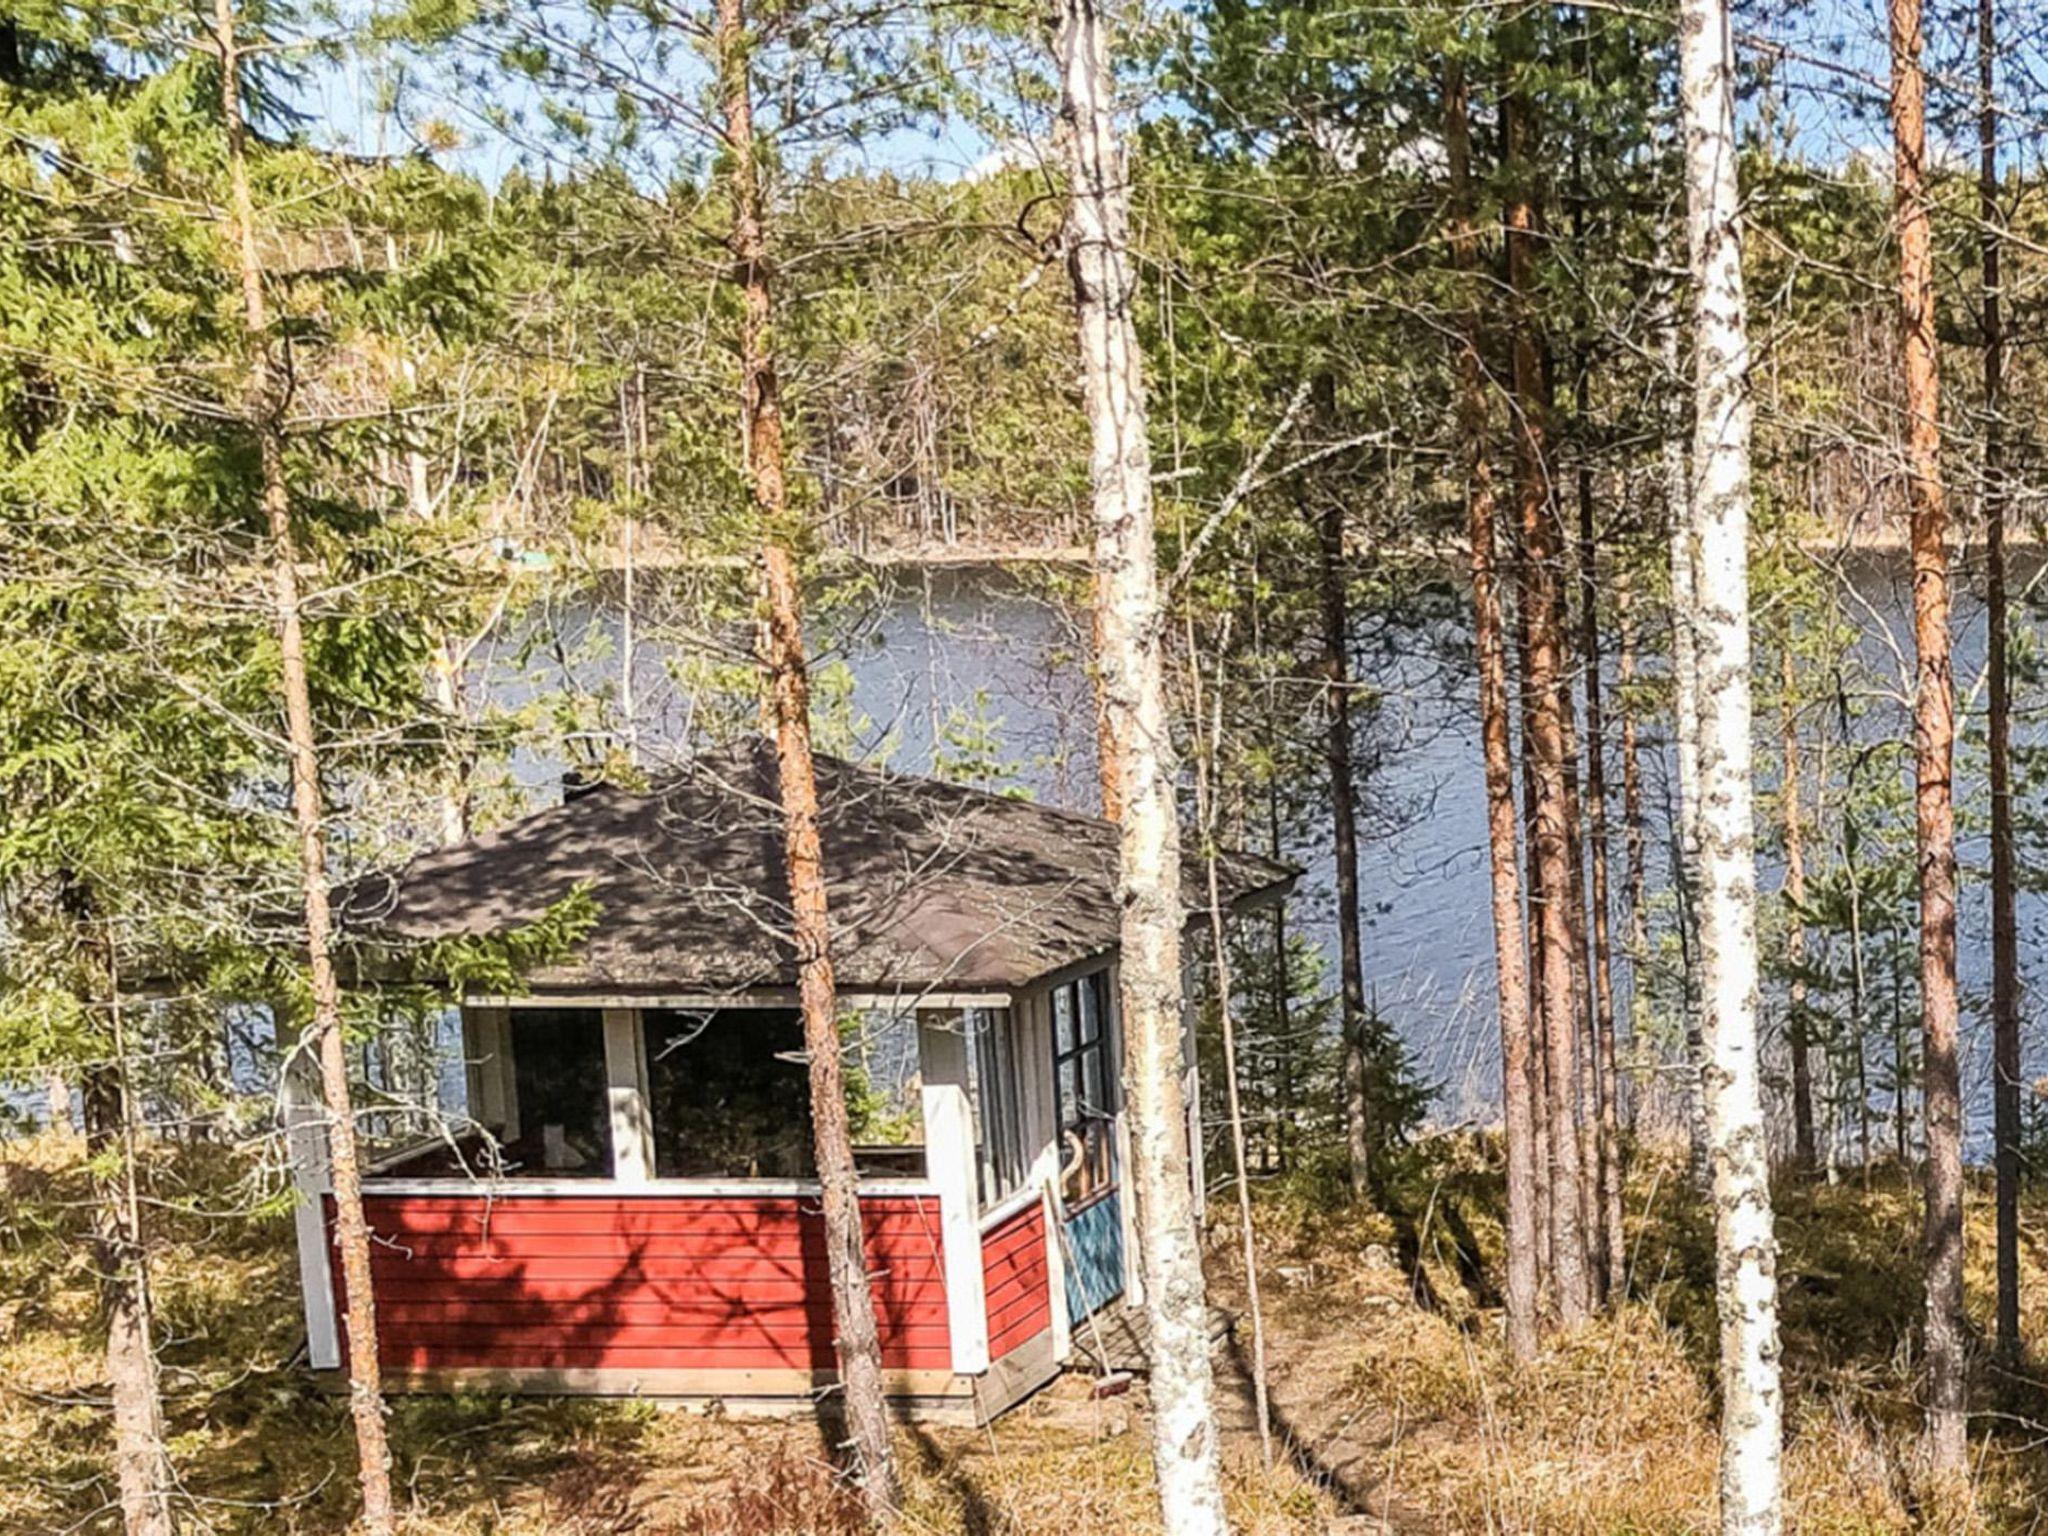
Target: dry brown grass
column 1393, row 1411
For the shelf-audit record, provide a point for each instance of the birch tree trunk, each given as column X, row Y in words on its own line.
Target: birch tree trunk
column 1129, row 621
column 1489, row 641
column 1746, row 1282
column 1934, row 729
column 1678, row 493
column 788, row 709
column 1544, row 748
column 265, row 404
column 2005, row 965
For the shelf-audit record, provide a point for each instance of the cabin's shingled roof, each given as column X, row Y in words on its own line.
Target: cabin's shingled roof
column 931, row 885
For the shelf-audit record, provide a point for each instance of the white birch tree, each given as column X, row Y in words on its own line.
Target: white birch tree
column 1129, row 632
column 1716, row 540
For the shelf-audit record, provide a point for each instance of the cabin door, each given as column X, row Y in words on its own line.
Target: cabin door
column 1091, row 1197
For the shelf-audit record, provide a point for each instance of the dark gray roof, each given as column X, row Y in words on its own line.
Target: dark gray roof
column 930, row 885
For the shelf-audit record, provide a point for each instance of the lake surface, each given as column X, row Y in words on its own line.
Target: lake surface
column 907, row 665
column 947, row 646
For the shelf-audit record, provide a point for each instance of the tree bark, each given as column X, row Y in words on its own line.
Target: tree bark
column 1633, row 841
column 1545, row 747
column 1745, row 1243
column 142, row 1470
column 267, row 391
column 1585, row 1047
column 856, row 1338
column 1489, row 642
column 1344, row 835
column 1934, row 754
column 1792, row 822
column 1605, row 1077
column 1129, row 617
column 1685, row 714
column 2005, row 965
column 1219, row 944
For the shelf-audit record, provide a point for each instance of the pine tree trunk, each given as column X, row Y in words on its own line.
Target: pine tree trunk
column 1539, row 1075
column 1129, row 660
column 1490, row 644
column 2005, row 967
column 1344, row 835
column 1545, row 745
column 265, row 402
column 1791, row 820
column 856, row 1338
column 1745, row 1244
column 1605, row 1063
column 1934, row 725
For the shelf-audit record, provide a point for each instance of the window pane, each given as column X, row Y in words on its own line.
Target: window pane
column 1063, row 1019
column 729, row 1094
column 885, row 1091
column 1089, row 990
column 565, row 1123
column 1092, row 1100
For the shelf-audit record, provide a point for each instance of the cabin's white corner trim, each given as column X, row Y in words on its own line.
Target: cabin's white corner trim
column 625, row 1071
column 305, row 1130
column 950, row 1164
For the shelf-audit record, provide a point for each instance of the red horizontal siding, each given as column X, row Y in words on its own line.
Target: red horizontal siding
column 1016, row 1280
column 642, row 1282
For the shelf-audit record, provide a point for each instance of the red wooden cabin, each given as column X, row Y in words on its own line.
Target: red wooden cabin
column 623, row 1204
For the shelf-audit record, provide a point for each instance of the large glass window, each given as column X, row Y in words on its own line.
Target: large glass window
column 729, row 1094
column 998, row 1106
column 1085, row 1077
column 564, row 1115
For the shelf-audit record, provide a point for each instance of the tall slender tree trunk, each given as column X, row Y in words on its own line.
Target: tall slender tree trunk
column 1793, row 826
column 1634, row 843
column 1344, row 829
column 1678, row 494
column 1934, row 728
column 1550, row 857
column 1586, row 1121
column 142, row 1469
column 1490, row 643
column 1605, row 1062
column 1219, row 945
column 2005, row 960
column 1539, row 1074
column 856, row 1338
column 1745, row 1243
column 267, row 388
column 1129, row 659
